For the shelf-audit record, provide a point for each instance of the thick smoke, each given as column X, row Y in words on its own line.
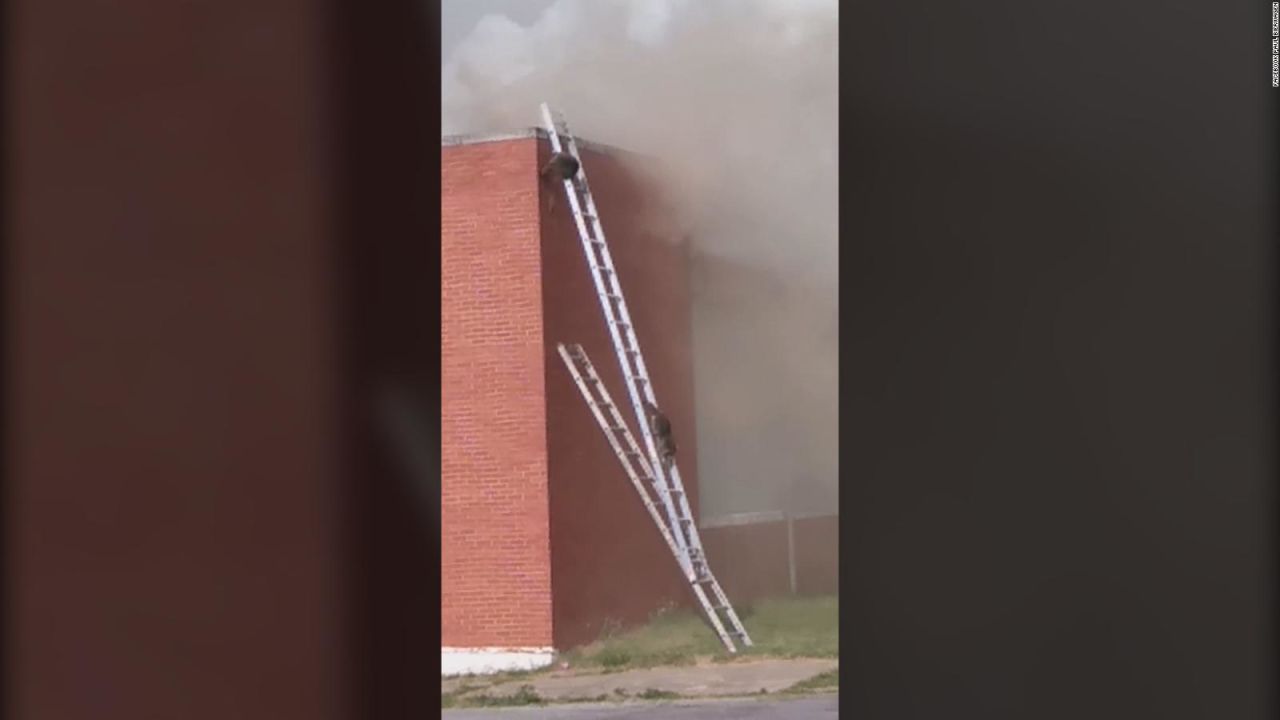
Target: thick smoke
column 736, row 100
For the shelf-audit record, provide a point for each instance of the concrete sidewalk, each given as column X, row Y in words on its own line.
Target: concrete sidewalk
column 746, row 677
column 814, row 707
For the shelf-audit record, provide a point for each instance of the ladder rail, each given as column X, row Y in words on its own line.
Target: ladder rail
column 626, row 343
column 637, row 477
column 603, row 291
column 621, row 327
column 727, row 608
column 572, row 357
column 605, row 260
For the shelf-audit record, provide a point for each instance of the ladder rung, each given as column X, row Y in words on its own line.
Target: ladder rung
column 637, row 378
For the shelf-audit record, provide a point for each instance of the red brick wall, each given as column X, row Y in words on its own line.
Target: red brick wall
column 608, row 561
column 544, row 539
column 750, row 561
column 818, row 555
column 495, row 552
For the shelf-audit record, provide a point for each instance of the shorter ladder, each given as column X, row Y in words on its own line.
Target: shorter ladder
column 696, row 571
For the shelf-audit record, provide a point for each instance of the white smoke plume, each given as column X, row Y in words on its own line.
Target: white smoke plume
column 737, row 101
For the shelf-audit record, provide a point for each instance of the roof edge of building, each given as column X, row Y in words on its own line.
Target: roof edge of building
column 478, row 138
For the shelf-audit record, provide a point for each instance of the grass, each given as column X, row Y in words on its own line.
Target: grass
column 795, row 627
column 779, row 627
column 524, row 696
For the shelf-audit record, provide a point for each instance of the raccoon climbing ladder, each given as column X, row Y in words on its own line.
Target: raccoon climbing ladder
column 667, row 483
column 719, row 612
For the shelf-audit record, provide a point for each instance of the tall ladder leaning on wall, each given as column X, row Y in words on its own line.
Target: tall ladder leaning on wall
column 681, row 530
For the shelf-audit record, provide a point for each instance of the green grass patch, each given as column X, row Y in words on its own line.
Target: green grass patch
column 452, row 698
column 795, row 627
column 779, row 627
column 525, row 695
column 507, row 676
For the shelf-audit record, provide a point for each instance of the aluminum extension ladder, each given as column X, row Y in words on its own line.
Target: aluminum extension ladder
column 687, row 544
column 719, row 612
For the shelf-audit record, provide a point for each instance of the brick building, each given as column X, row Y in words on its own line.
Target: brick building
column 544, row 542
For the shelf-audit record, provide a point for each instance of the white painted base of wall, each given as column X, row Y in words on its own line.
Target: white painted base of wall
column 486, row 661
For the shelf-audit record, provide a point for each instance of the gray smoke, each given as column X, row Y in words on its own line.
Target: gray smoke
column 736, row 100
